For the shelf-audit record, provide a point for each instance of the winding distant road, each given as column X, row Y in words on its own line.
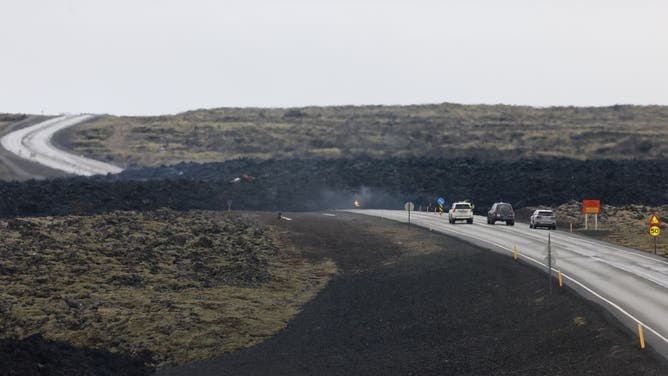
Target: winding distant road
column 631, row 284
column 34, row 144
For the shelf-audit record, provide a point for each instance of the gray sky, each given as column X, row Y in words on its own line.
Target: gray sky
column 162, row 56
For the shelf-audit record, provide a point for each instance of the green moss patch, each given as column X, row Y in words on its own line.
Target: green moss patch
column 182, row 286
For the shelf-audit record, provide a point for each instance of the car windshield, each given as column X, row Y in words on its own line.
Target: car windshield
column 505, row 208
column 545, row 213
column 462, row 206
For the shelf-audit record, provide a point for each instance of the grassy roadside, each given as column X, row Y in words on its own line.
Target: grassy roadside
column 178, row 286
column 8, row 119
column 443, row 130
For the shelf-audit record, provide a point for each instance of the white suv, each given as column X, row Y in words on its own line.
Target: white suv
column 543, row 218
column 460, row 211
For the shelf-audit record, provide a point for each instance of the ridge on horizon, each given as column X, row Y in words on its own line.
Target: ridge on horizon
column 318, row 106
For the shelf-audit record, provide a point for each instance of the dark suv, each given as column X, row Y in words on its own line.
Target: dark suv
column 501, row 211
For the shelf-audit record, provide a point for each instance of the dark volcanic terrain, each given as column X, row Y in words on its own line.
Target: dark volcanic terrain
column 123, row 293
column 412, row 302
column 127, row 274
column 303, row 185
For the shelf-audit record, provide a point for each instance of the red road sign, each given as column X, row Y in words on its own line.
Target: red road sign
column 591, row 206
column 654, row 220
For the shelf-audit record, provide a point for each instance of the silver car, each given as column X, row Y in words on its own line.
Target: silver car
column 543, row 218
column 461, row 211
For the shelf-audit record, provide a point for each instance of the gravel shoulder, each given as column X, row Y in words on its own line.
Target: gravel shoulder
column 408, row 301
column 250, row 294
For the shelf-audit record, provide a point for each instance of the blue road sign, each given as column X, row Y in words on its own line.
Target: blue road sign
column 441, row 201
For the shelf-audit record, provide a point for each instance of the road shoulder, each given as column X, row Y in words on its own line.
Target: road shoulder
column 409, row 301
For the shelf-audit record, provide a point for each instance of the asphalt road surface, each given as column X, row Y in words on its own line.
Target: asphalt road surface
column 631, row 284
column 19, row 168
column 34, row 144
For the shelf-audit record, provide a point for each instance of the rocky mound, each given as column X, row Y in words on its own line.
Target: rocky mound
column 164, row 286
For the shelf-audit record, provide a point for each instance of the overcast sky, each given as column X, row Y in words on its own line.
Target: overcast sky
column 161, row 57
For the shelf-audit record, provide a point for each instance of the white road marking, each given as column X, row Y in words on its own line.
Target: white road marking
column 652, row 273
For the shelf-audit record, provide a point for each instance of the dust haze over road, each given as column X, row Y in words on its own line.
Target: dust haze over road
column 33, row 143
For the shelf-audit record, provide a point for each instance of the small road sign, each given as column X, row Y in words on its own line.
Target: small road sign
column 654, row 230
column 654, row 220
column 441, row 201
column 409, row 208
column 591, row 206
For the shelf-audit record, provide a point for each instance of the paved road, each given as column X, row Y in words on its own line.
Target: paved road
column 22, row 169
column 33, row 143
column 631, row 284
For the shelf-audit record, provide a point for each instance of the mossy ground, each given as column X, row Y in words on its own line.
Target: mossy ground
column 440, row 130
column 180, row 286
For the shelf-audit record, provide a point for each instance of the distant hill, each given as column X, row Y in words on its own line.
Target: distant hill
column 439, row 131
